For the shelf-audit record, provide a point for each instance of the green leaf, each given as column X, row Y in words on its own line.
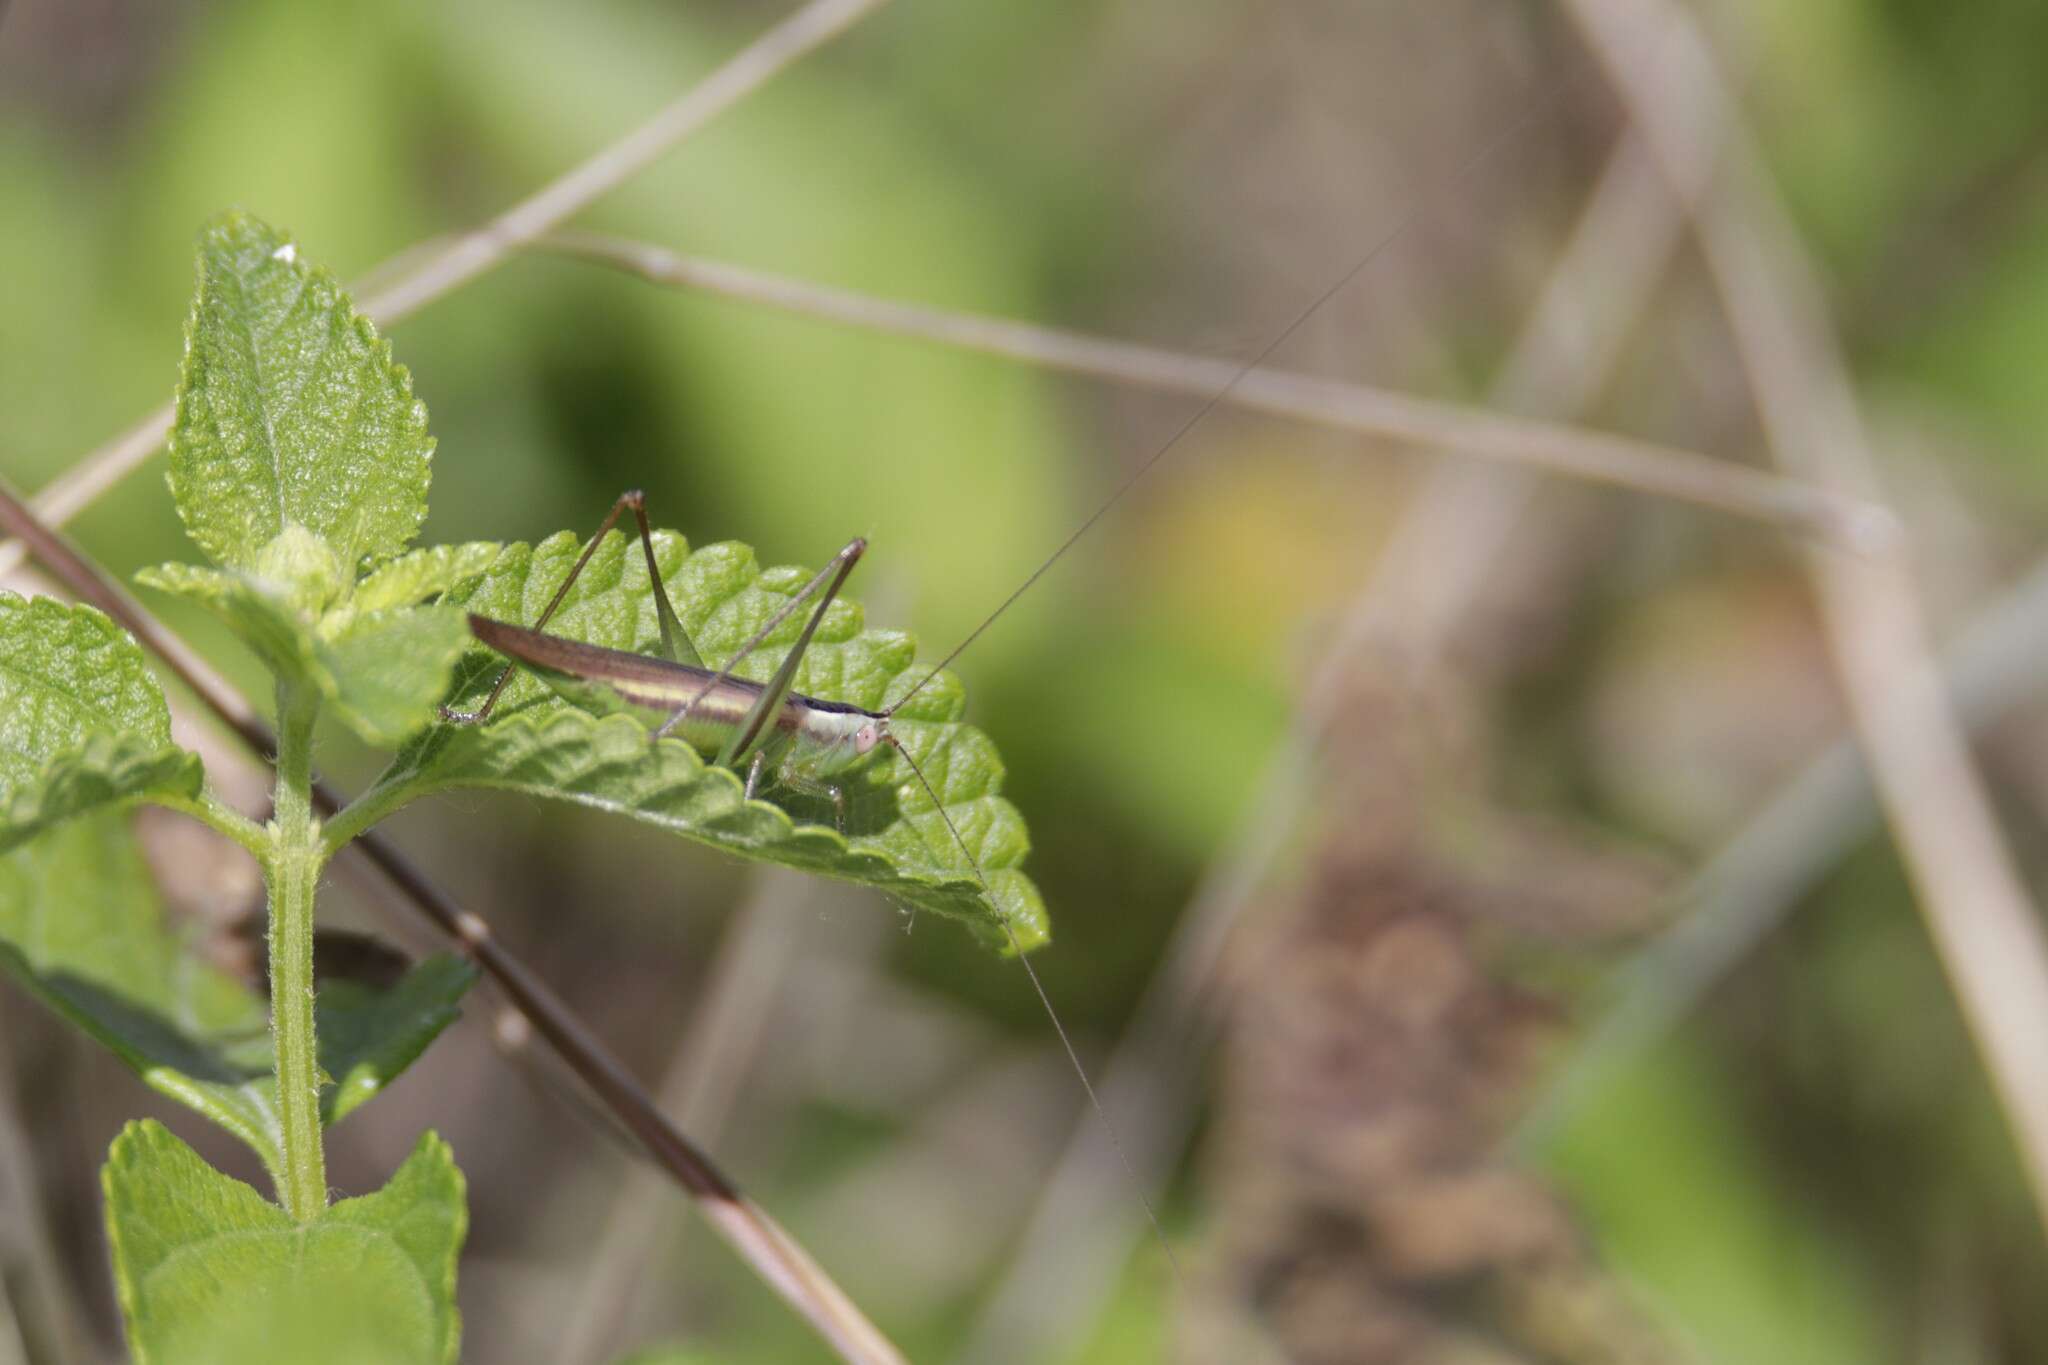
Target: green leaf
column 208, row 1271
column 304, row 570
column 106, row 770
column 390, row 669
column 291, row 411
column 81, row 928
column 609, row 764
column 428, row 572
column 368, row 1037
column 82, row 720
column 67, row 672
column 896, row 840
column 262, row 616
column 383, row 672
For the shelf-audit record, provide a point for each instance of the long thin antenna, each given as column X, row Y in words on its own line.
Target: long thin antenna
column 1215, row 399
column 1066, row 1040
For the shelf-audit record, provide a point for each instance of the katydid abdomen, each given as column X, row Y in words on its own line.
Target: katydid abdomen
column 806, row 740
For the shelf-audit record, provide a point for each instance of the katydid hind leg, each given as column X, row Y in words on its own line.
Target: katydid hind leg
column 676, row 645
column 830, row 579
column 778, row 686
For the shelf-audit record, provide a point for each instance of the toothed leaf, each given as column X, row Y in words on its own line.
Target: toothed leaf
column 895, row 841
column 107, row 770
column 262, row 616
column 291, row 411
column 369, row 1036
column 387, row 672
column 81, row 928
column 209, row 1272
column 82, row 720
column 426, row 572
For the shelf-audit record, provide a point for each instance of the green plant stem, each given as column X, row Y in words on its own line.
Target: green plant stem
column 222, row 819
column 293, row 871
column 394, row 787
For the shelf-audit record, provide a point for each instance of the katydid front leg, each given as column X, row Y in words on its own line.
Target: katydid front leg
column 789, row 776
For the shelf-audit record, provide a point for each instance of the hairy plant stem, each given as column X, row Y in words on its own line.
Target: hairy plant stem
column 293, row 872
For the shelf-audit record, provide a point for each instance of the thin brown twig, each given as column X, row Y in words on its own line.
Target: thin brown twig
column 748, row 1228
column 1986, row 930
column 1573, row 452
column 1071, row 1245
column 698, row 1087
column 462, row 258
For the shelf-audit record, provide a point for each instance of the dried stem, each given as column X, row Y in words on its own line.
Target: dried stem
column 1558, row 449
column 752, row 1233
column 475, row 252
column 747, row 972
column 461, row 259
column 1987, row 931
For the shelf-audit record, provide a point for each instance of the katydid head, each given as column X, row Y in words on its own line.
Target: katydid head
column 835, row 737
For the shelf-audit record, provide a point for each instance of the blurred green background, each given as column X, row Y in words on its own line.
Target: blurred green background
column 1810, row 1170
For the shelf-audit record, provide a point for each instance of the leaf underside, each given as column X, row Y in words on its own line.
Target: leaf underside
column 211, row 1273
column 83, row 722
column 895, row 841
column 82, row 929
column 107, row 770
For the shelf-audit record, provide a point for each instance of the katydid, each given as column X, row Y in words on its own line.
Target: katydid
column 768, row 730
